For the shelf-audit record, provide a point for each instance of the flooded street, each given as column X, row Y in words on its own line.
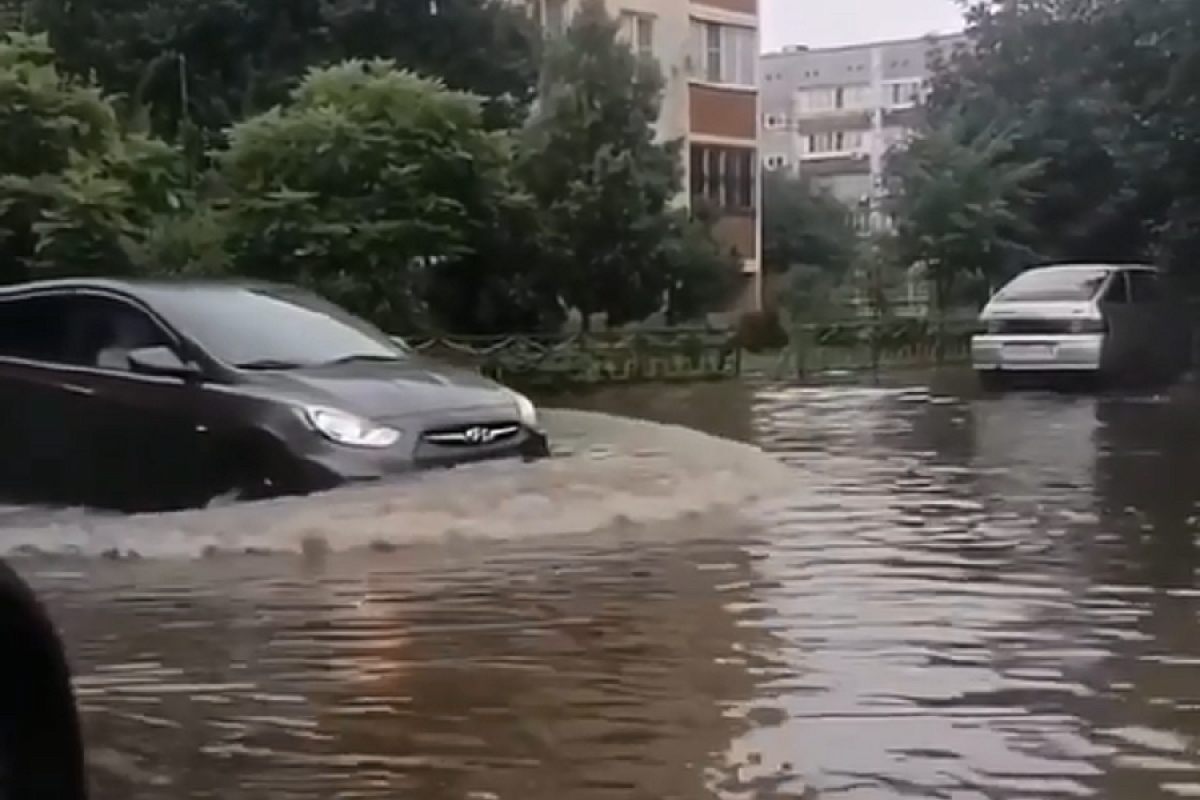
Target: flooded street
column 954, row 597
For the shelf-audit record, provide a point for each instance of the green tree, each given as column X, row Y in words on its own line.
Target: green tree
column 805, row 225
column 204, row 64
column 497, row 285
column 1097, row 93
column 809, row 235
column 366, row 181
column 77, row 192
column 702, row 275
column 606, row 185
column 957, row 204
column 1154, row 71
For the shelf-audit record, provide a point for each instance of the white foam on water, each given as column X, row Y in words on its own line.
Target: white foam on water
column 609, row 472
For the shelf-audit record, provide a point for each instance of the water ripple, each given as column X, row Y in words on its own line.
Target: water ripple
column 955, row 597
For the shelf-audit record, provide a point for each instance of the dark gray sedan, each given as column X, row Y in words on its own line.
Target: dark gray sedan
column 147, row 395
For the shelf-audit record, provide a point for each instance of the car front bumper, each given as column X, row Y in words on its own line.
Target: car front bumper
column 331, row 466
column 1028, row 353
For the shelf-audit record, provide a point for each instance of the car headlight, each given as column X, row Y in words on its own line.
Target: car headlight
column 349, row 429
column 526, row 410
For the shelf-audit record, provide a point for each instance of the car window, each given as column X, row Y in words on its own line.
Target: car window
column 272, row 327
column 76, row 330
column 35, row 327
column 1144, row 286
column 103, row 331
column 1055, row 284
column 1118, row 290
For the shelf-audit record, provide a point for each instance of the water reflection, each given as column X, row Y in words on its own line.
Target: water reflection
column 959, row 597
column 588, row 672
column 948, row 610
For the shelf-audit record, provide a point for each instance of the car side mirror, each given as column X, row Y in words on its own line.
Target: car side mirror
column 161, row 361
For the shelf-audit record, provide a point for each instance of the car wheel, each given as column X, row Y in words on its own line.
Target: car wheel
column 251, row 485
column 238, row 478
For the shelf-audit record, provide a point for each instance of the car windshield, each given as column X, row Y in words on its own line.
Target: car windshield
column 1055, row 284
column 274, row 327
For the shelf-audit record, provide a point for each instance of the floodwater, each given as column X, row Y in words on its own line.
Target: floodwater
column 948, row 597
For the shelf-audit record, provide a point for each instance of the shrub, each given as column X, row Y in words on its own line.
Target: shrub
column 761, row 330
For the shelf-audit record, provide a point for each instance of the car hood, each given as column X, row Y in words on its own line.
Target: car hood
column 385, row 390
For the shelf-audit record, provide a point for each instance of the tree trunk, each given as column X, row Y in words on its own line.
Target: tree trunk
column 942, row 285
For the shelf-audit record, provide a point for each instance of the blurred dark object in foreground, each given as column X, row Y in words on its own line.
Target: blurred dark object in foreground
column 41, row 743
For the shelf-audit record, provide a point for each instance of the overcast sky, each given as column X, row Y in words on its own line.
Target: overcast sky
column 824, row 23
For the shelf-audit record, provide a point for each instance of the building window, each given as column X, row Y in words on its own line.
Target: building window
column 724, row 177
column 554, row 17
column 638, row 30
column 903, row 94
column 712, row 52
column 833, row 143
column 724, row 53
column 774, row 162
column 814, row 100
column 774, row 122
column 839, row 98
column 857, row 97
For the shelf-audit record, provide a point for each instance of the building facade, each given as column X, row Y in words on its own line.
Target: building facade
column 833, row 113
column 708, row 52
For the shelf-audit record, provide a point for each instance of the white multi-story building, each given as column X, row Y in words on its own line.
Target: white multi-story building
column 708, row 53
column 833, row 113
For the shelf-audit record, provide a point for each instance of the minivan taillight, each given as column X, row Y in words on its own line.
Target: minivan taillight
column 1088, row 326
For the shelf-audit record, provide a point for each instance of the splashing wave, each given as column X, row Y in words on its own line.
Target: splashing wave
column 610, row 471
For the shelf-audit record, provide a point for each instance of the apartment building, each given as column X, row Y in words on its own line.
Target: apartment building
column 708, row 52
column 833, row 113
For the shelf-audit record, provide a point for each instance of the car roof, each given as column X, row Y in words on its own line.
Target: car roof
column 144, row 289
column 1091, row 266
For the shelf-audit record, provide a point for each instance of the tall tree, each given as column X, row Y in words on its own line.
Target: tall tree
column 207, row 63
column 593, row 161
column 703, row 275
column 77, row 191
column 1095, row 90
column 958, row 202
column 364, row 182
column 803, row 224
column 808, row 234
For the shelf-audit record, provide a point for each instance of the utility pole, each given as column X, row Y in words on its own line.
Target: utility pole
column 874, row 218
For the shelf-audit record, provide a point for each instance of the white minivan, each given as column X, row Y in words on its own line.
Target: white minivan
column 1115, row 322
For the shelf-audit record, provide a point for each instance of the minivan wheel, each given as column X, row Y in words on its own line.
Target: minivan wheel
column 992, row 380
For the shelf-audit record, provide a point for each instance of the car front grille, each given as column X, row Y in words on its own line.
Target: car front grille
column 479, row 435
column 1031, row 326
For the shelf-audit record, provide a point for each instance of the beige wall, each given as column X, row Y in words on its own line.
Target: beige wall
column 672, row 31
column 697, row 111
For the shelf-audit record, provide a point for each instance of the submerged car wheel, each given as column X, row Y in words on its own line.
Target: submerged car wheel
column 250, row 486
column 245, row 474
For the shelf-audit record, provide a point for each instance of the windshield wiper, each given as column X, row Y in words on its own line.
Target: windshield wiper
column 362, row 357
column 269, row 363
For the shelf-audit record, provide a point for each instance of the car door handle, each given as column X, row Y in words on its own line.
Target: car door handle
column 75, row 388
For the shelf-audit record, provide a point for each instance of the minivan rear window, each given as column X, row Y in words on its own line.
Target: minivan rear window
column 1055, row 284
